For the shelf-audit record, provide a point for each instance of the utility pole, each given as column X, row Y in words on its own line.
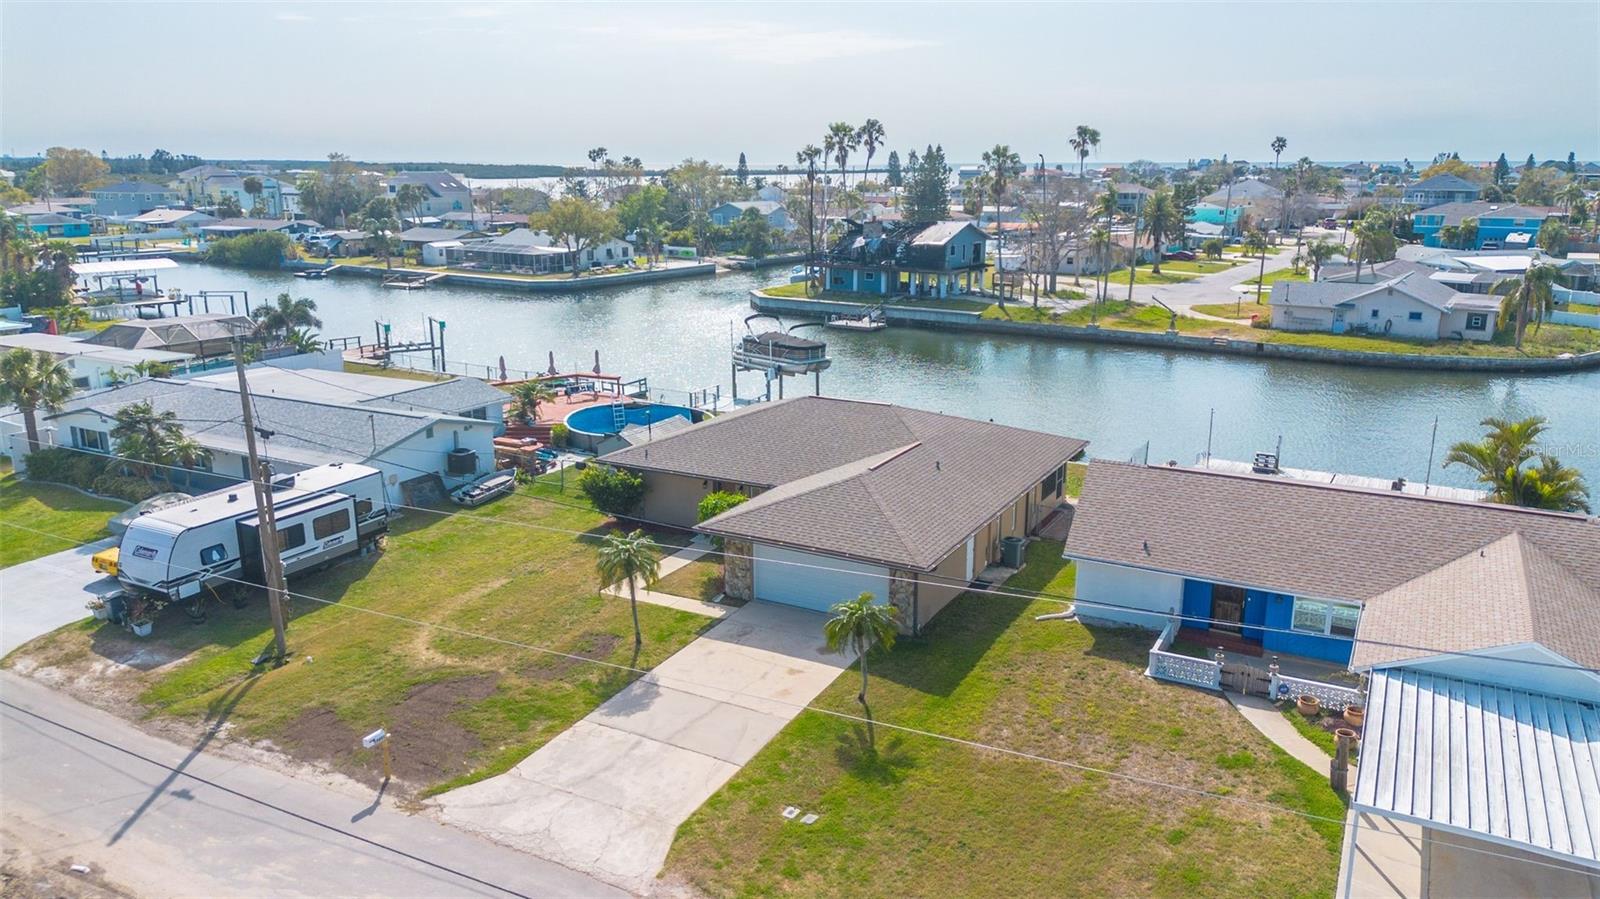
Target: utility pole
column 261, row 480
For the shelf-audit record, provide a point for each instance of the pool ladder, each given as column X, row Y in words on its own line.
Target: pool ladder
column 619, row 416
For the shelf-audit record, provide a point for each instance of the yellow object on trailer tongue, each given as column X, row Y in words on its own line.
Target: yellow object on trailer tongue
column 105, row 561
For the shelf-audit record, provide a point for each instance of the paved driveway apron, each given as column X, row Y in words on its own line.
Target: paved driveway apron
column 607, row 795
column 39, row 596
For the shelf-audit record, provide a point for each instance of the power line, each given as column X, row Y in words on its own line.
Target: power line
column 181, row 772
column 1060, row 599
column 669, row 681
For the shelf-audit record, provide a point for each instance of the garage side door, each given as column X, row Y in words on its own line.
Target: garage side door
column 816, row 582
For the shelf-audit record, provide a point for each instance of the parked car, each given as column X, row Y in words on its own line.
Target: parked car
column 1181, row 255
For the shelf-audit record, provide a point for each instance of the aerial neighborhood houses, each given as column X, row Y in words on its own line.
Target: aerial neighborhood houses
column 772, row 210
column 441, row 193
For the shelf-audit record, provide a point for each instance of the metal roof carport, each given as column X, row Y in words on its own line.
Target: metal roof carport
column 1509, row 770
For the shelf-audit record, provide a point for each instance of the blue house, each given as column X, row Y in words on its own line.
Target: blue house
column 1267, row 565
column 54, row 224
column 126, row 199
column 1441, row 189
column 1499, row 224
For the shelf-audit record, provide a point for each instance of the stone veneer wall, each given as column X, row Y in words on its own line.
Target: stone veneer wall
column 738, row 570
column 902, row 595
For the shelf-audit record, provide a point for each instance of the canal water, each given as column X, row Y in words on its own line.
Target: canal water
column 1366, row 421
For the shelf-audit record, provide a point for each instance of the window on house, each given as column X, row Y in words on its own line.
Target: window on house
column 1477, row 321
column 292, row 536
column 325, row 526
column 1055, row 483
column 213, row 554
column 1374, row 314
column 98, row 441
column 428, row 432
column 1414, row 316
column 481, row 413
column 952, row 249
column 1314, row 616
column 81, row 383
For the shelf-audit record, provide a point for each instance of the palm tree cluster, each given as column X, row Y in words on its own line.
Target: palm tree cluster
column 527, row 397
column 1501, row 461
column 1531, row 296
column 1085, row 140
column 287, row 321
column 154, row 443
column 33, row 380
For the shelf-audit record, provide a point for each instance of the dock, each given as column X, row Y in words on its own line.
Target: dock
column 1361, row 482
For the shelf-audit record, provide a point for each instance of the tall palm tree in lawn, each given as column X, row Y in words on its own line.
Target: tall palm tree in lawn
column 840, row 141
column 1105, row 208
column 1101, row 239
column 1500, row 462
column 1163, row 220
column 278, row 319
column 857, row 626
column 1279, row 144
column 1256, row 242
column 807, row 157
column 33, row 380
column 1530, row 296
column 1084, row 141
column 528, row 396
column 634, row 558
column 382, row 231
column 871, row 135
column 1318, row 255
column 1001, row 161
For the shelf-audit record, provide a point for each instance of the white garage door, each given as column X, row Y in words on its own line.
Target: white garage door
column 813, row 581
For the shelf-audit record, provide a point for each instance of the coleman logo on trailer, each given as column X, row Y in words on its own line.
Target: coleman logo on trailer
column 144, row 552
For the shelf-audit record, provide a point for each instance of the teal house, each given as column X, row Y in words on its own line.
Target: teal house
column 54, row 224
column 1500, row 225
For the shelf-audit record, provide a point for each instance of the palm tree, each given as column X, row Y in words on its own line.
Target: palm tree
column 252, row 187
column 304, row 340
column 1279, row 144
column 1318, row 254
column 838, row 143
column 808, row 156
column 410, row 197
column 32, row 380
column 1499, row 459
column 1105, row 206
column 151, row 441
column 277, row 320
column 1083, row 142
column 1256, row 242
column 634, row 558
column 1162, row 221
column 528, row 396
column 1529, row 296
column 68, row 318
column 1571, row 196
column 871, row 135
column 857, row 626
column 150, row 368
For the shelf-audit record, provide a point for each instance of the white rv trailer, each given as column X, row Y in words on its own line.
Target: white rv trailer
column 322, row 514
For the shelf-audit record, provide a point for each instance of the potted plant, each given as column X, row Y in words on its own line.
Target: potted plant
column 1308, row 705
column 97, row 607
column 1349, row 734
column 141, row 618
column 1354, row 715
column 141, row 627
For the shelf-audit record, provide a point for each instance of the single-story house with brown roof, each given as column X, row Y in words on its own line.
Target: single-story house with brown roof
column 850, row 497
column 1309, row 569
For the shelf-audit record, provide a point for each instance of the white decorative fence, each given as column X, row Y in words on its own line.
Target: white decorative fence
column 1179, row 668
column 1332, row 696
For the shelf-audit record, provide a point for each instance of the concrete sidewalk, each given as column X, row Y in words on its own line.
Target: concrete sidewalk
column 1265, row 717
column 607, row 795
column 41, row 595
column 698, row 547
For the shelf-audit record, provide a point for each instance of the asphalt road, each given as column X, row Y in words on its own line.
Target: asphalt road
column 78, row 785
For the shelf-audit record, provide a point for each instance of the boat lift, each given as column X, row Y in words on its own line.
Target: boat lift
column 778, row 353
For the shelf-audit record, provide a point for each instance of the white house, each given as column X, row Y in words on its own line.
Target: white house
column 170, row 221
column 314, row 417
column 444, row 192
column 612, row 251
column 1409, row 305
column 92, row 366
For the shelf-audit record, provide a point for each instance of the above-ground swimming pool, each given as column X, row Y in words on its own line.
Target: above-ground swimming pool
column 601, row 420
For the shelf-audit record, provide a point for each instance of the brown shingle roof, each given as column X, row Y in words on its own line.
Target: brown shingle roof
column 863, row 480
column 1297, row 537
column 1505, row 593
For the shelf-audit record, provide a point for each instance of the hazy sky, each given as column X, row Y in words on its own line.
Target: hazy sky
column 523, row 82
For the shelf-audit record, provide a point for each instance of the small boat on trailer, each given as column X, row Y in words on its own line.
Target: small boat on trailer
column 484, row 489
column 406, row 282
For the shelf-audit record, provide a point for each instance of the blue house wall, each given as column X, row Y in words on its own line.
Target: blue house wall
column 1489, row 228
column 1267, row 618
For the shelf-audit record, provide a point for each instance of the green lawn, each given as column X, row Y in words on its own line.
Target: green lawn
column 1201, row 266
column 1282, row 274
column 1075, row 474
column 47, row 507
column 798, row 292
column 919, row 816
column 1272, row 250
column 1143, row 275
column 1582, row 308
column 461, row 708
column 402, row 373
column 700, row 579
column 1241, row 310
column 1314, row 731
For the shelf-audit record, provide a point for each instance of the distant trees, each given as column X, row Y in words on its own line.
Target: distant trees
column 1057, row 224
column 741, row 173
column 274, row 321
column 331, row 196
column 1452, row 165
column 253, row 188
column 1540, row 186
column 1212, row 248
column 927, row 194
column 66, row 172
column 753, row 233
column 1318, row 254
column 896, row 177
column 228, row 207
column 1501, row 459
column 642, row 213
column 578, row 223
column 265, row 249
column 1279, row 144
column 840, row 141
column 1502, row 169
column 871, row 135
column 1553, row 237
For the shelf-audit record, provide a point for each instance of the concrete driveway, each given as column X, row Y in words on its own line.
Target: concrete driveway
column 39, row 596
column 606, row 796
